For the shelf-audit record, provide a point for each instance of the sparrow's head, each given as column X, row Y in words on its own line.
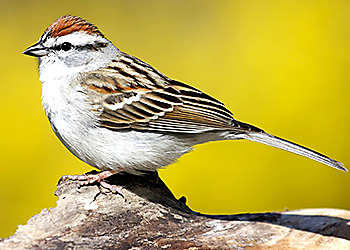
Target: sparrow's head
column 73, row 42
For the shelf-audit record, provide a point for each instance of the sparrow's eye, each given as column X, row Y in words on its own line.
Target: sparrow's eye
column 66, row 46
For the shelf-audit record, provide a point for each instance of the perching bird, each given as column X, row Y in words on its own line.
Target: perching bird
column 117, row 113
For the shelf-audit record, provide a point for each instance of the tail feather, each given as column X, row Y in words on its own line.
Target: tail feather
column 277, row 142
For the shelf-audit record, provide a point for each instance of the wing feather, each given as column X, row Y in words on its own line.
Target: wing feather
column 131, row 94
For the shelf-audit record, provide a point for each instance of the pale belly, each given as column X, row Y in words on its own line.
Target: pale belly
column 128, row 151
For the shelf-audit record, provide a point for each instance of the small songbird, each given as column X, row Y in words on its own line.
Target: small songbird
column 119, row 114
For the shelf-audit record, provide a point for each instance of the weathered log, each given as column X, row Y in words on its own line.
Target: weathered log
column 150, row 217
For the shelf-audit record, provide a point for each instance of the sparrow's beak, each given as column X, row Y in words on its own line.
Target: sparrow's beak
column 36, row 50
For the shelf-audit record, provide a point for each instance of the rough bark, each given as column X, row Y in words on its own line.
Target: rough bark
column 149, row 217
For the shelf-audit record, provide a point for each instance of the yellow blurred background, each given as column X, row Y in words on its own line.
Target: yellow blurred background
column 280, row 65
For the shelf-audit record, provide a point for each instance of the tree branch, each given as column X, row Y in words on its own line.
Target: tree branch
column 149, row 217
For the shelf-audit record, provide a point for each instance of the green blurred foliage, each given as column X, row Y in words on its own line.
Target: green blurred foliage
column 280, row 65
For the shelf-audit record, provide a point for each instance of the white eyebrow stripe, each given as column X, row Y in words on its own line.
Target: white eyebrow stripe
column 79, row 38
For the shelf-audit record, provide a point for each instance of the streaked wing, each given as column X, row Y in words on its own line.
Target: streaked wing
column 131, row 94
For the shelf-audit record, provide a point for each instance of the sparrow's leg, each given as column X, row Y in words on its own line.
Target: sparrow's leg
column 87, row 179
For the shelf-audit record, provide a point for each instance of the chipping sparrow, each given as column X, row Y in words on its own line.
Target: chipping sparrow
column 117, row 113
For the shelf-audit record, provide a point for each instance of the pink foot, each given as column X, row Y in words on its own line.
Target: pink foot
column 88, row 179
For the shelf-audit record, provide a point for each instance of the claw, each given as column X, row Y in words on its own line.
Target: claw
column 77, row 188
column 88, row 179
column 69, row 177
column 113, row 188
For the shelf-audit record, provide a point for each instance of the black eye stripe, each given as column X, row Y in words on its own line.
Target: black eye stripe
column 64, row 46
column 68, row 46
column 92, row 47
